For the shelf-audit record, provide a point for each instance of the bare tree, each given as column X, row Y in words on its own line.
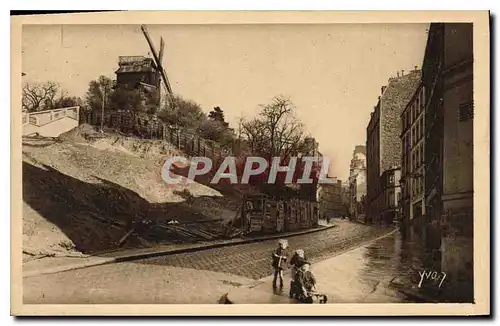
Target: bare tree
column 39, row 96
column 273, row 115
column 254, row 132
column 276, row 131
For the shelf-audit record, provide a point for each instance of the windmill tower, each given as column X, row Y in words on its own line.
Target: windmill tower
column 158, row 59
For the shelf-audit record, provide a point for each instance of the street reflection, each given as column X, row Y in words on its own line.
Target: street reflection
column 412, row 261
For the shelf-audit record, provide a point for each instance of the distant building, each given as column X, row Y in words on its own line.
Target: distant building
column 447, row 76
column 383, row 146
column 346, row 197
column 412, row 160
column 311, row 146
column 310, row 191
column 357, row 181
column 330, row 199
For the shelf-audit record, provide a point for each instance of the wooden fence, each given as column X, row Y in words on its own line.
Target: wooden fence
column 148, row 126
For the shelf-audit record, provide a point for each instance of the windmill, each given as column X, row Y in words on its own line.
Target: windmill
column 158, row 58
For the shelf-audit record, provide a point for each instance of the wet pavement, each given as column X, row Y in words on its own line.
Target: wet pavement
column 197, row 277
column 385, row 270
column 362, row 275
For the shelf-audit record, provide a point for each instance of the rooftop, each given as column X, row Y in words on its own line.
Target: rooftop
column 135, row 64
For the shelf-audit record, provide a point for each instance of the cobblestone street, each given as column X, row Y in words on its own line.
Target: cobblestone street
column 254, row 260
column 199, row 277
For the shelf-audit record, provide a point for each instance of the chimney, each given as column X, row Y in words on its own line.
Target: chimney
column 402, row 73
column 415, row 68
column 398, row 74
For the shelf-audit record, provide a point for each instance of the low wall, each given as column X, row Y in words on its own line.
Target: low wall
column 51, row 123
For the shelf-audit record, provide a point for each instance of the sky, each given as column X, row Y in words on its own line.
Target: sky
column 332, row 73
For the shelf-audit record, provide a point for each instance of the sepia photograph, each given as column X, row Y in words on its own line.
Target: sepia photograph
column 190, row 161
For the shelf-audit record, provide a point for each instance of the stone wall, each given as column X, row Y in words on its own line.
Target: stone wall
column 395, row 98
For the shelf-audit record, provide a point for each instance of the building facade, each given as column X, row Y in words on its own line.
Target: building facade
column 391, row 191
column 357, row 181
column 330, row 199
column 383, row 145
column 412, row 205
column 139, row 73
column 136, row 70
column 310, row 191
column 449, row 158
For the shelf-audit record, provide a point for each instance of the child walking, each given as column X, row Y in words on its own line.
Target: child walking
column 279, row 256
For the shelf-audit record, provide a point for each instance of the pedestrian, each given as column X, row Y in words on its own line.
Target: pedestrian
column 298, row 259
column 279, row 256
column 307, row 282
column 296, row 263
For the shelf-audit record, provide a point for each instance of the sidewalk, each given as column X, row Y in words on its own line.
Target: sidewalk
column 51, row 265
column 362, row 275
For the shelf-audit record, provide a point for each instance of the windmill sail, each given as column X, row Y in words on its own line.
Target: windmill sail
column 157, row 60
column 162, row 47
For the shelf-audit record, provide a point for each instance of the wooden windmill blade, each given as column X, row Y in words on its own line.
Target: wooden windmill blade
column 162, row 48
column 157, row 59
column 160, row 59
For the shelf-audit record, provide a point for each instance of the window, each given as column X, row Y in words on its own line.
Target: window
column 466, row 111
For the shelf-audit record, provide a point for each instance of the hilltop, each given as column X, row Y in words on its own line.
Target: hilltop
column 83, row 191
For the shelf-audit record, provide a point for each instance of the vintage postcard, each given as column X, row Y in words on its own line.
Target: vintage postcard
column 251, row 163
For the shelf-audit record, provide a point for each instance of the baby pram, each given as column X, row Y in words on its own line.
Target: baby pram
column 297, row 292
column 311, row 296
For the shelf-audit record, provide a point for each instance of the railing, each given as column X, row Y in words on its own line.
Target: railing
column 130, row 59
column 43, row 117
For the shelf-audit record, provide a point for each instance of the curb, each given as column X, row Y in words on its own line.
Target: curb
column 166, row 252
column 55, row 270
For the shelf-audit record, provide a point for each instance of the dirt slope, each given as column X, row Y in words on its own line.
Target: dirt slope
column 82, row 192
